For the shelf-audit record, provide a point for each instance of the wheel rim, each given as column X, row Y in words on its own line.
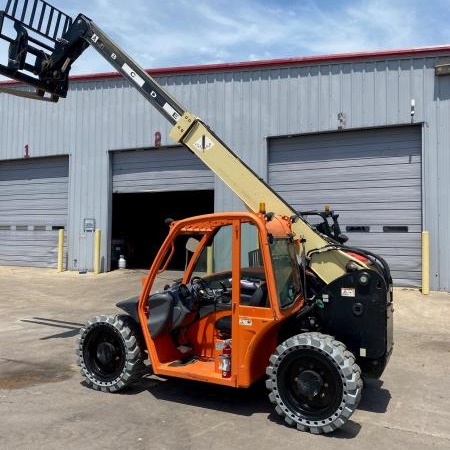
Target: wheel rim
column 104, row 353
column 310, row 384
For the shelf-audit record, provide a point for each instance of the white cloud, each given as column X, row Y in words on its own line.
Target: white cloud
column 180, row 32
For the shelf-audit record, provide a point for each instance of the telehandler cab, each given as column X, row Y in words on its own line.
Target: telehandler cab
column 264, row 293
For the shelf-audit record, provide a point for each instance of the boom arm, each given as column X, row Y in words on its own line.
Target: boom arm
column 55, row 41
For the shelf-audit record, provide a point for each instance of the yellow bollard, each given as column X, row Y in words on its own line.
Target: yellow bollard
column 98, row 238
column 60, row 250
column 425, row 262
column 209, row 260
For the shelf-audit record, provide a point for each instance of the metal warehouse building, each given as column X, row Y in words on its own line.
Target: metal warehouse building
column 367, row 133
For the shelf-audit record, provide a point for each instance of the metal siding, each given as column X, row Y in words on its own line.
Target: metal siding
column 370, row 177
column 443, row 161
column 257, row 103
column 162, row 170
column 33, row 199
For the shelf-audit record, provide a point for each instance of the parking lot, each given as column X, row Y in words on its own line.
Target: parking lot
column 44, row 405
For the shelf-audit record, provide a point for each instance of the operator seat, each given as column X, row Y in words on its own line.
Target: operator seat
column 258, row 298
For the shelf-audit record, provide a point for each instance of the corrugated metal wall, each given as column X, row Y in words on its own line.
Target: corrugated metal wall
column 244, row 107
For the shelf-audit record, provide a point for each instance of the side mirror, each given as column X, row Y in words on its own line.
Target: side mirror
column 192, row 244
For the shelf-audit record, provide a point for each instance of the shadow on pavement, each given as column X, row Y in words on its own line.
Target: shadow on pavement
column 374, row 397
column 245, row 402
column 72, row 327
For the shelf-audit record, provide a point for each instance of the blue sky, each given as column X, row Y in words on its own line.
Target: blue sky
column 184, row 32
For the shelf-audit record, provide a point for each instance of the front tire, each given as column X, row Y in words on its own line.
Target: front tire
column 314, row 382
column 109, row 352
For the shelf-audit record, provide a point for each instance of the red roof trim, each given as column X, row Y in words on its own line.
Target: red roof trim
column 261, row 64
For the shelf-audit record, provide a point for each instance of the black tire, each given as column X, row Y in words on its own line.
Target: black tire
column 109, row 352
column 314, row 382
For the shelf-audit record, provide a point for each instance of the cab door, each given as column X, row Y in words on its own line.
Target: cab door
column 253, row 333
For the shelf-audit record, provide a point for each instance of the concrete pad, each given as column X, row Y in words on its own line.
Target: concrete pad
column 44, row 405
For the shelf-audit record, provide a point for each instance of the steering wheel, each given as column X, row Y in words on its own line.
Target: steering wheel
column 203, row 293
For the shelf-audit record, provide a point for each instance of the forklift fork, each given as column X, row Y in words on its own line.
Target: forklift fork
column 34, row 30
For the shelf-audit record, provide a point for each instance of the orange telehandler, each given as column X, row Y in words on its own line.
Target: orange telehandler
column 264, row 293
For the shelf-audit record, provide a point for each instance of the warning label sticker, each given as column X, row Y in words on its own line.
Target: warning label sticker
column 347, row 292
column 245, row 321
column 204, row 143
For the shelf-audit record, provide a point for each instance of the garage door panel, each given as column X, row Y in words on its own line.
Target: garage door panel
column 412, row 252
column 32, row 248
column 401, row 263
column 380, row 240
column 12, row 219
column 152, row 176
column 373, row 214
column 34, row 170
column 38, row 202
column 34, row 216
column 389, row 217
column 125, row 166
column 395, row 142
column 168, row 169
column 373, row 196
column 372, row 178
column 157, row 183
column 42, row 188
column 351, row 222
column 161, row 187
column 282, row 159
column 370, row 193
column 406, row 282
column 27, row 260
column 33, row 205
column 393, row 153
column 363, row 136
column 165, row 155
column 384, row 229
column 341, row 207
column 401, row 176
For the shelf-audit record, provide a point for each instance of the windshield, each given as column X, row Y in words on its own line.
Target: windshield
column 286, row 271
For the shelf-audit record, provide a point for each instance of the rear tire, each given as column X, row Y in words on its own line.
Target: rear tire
column 314, row 382
column 109, row 352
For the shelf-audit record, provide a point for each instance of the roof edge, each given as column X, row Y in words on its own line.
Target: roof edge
column 260, row 64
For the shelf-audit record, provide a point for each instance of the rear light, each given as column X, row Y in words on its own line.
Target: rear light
column 359, row 257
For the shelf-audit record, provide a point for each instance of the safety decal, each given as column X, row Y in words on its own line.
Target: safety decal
column 347, row 292
column 245, row 321
column 204, row 143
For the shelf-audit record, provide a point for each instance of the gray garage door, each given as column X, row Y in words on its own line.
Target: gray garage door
column 371, row 177
column 33, row 207
column 161, row 170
